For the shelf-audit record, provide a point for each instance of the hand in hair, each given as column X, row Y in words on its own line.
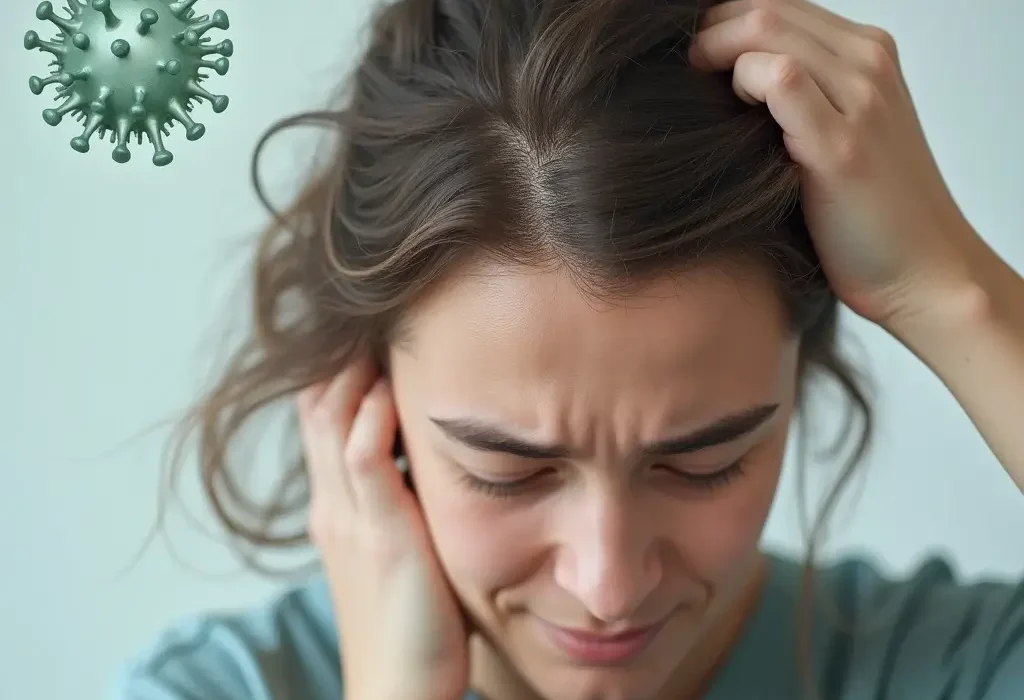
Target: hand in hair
column 402, row 635
column 891, row 240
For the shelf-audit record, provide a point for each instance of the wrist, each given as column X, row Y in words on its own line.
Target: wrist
column 986, row 296
column 972, row 338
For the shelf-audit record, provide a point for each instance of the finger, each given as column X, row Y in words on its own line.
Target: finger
column 326, row 412
column 725, row 11
column 824, row 15
column 720, row 47
column 310, row 396
column 860, row 44
column 375, row 478
column 855, row 42
column 735, row 8
column 779, row 31
column 794, row 99
column 310, row 418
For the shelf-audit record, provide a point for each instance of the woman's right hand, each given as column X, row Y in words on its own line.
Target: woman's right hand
column 402, row 634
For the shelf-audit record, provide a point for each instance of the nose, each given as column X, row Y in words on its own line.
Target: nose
column 608, row 558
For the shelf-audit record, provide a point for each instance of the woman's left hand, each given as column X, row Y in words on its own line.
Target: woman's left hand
column 886, row 228
column 893, row 244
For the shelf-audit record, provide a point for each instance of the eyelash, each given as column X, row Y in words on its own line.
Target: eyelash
column 510, row 489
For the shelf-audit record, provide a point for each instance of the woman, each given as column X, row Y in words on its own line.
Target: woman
column 559, row 270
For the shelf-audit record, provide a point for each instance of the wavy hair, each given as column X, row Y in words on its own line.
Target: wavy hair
column 566, row 132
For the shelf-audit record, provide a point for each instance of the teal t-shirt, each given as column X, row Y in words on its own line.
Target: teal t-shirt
column 926, row 637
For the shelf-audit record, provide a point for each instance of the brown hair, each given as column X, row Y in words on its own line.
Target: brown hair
column 563, row 132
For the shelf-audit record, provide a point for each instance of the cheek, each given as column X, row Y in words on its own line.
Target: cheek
column 483, row 545
column 719, row 537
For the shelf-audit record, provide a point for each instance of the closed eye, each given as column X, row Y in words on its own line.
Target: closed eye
column 707, row 480
column 503, row 489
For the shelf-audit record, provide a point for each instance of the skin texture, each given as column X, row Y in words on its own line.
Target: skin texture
column 603, row 538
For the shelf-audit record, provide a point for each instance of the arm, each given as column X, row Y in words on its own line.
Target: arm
column 885, row 226
column 973, row 339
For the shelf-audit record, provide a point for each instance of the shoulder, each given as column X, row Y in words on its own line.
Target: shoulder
column 284, row 650
column 926, row 634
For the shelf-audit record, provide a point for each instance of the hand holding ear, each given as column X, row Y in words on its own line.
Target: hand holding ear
column 402, row 634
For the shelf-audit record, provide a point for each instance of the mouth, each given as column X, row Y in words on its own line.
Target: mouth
column 597, row 649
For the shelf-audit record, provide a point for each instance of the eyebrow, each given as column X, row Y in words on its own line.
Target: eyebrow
column 491, row 438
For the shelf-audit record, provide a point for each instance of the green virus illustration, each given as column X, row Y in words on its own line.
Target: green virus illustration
column 131, row 68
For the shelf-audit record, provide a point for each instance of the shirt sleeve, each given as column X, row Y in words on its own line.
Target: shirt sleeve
column 1001, row 672
column 285, row 651
column 929, row 636
column 201, row 660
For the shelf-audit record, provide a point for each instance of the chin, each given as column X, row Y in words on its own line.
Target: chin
column 636, row 682
column 527, row 660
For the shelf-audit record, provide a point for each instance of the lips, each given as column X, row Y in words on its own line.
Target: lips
column 602, row 649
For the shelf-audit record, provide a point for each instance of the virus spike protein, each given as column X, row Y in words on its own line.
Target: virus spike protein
column 130, row 68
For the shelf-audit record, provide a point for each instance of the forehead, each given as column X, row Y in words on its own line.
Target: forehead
column 500, row 331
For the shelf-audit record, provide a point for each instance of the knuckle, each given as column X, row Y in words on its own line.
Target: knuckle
column 360, row 458
column 764, row 19
column 787, row 73
column 883, row 39
column 848, row 155
column 880, row 52
column 323, row 416
column 878, row 60
column 867, row 96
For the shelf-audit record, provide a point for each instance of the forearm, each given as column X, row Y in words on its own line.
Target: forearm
column 974, row 341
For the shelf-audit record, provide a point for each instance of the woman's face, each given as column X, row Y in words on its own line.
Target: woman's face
column 592, row 469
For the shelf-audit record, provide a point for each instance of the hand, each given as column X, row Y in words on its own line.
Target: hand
column 890, row 238
column 402, row 634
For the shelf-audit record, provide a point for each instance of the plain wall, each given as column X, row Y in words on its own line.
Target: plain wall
column 115, row 281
